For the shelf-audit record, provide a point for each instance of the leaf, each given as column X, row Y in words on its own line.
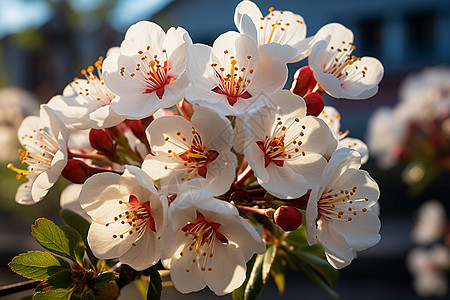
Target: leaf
column 297, row 238
column 64, row 242
column 60, row 280
column 319, row 281
column 77, row 222
column 258, row 270
column 37, row 265
column 155, row 285
column 320, row 265
column 87, row 296
column 278, row 270
column 105, row 278
column 54, row 294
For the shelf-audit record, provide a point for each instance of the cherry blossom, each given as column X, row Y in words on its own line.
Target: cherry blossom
column 44, row 140
column 86, row 103
column 281, row 34
column 207, row 243
column 231, row 77
column 195, row 153
column 338, row 214
column 338, row 72
column 128, row 217
column 149, row 72
column 333, row 118
column 285, row 148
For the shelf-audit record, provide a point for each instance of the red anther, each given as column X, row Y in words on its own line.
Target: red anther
column 101, row 140
column 77, row 171
column 314, row 104
column 288, row 218
column 304, row 81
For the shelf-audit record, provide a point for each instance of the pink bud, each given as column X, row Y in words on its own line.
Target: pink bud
column 101, row 140
column 288, row 218
column 186, row 109
column 77, row 171
column 314, row 104
column 304, row 81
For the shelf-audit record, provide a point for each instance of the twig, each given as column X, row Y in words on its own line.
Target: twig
column 18, row 287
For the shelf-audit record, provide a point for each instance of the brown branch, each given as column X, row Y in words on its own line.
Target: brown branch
column 18, row 287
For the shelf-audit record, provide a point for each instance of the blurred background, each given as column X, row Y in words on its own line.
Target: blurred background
column 45, row 43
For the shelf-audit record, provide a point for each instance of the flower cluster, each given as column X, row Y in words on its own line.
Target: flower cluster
column 178, row 145
column 429, row 262
column 417, row 130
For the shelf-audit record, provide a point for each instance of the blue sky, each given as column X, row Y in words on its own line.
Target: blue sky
column 16, row 15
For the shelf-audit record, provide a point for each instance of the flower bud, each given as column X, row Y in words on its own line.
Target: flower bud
column 288, row 218
column 304, row 81
column 136, row 128
column 314, row 104
column 77, row 171
column 186, row 109
column 101, row 140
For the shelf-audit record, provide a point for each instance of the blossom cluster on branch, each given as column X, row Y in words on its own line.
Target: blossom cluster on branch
column 195, row 155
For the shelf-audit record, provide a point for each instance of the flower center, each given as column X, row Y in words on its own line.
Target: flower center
column 151, row 72
column 202, row 238
column 95, row 93
column 235, row 83
column 40, row 149
column 138, row 216
column 195, row 158
column 338, row 204
column 277, row 148
column 272, row 28
column 341, row 64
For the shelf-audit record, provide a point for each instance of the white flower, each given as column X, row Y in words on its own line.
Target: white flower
column 195, row 153
column 207, row 243
column 45, row 141
column 428, row 269
column 280, row 33
column 232, row 77
column 86, row 103
column 128, row 217
column 149, row 72
column 338, row 213
column 340, row 74
column 285, row 148
column 333, row 118
column 431, row 222
column 69, row 200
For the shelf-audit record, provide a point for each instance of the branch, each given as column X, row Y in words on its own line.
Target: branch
column 18, row 287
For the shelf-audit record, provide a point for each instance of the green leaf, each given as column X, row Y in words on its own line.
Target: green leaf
column 77, row 222
column 319, row 281
column 105, row 278
column 297, row 238
column 87, row 296
column 62, row 241
column 37, row 265
column 320, row 265
column 258, row 270
column 60, row 280
column 278, row 273
column 54, row 294
column 155, row 285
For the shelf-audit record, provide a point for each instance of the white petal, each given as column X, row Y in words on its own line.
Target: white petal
column 357, row 145
column 141, row 35
column 104, row 245
column 104, row 117
column 145, row 254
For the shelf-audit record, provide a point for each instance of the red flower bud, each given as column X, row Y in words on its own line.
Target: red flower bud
column 101, row 140
column 288, row 218
column 314, row 104
column 136, row 128
column 77, row 171
column 304, row 81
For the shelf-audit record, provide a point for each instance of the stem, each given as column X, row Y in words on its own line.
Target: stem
column 261, row 211
column 243, row 177
column 88, row 156
column 256, row 191
column 18, row 287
